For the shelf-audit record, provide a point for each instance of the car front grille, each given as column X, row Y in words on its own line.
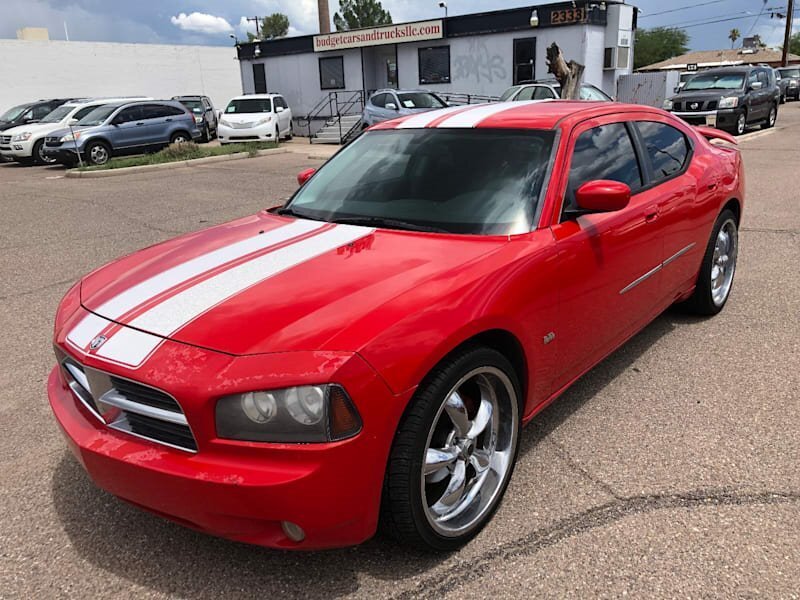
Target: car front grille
column 129, row 406
column 5, row 139
column 242, row 138
column 695, row 105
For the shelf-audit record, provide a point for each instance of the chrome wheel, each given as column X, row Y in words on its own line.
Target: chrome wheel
column 723, row 263
column 43, row 158
column 773, row 116
column 98, row 154
column 469, row 451
column 179, row 139
column 741, row 124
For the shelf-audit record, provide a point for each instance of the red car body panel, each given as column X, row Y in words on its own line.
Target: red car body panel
column 374, row 311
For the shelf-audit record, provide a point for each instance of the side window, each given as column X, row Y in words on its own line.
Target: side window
column 85, row 111
column 619, row 163
column 174, row 111
column 39, row 112
column 763, row 77
column 526, row 93
column 154, row 111
column 666, row 147
column 752, row 78
column 127, row 115
column 379, row 100
column 543, row 93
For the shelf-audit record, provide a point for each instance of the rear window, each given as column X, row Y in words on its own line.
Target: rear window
column 249, row 105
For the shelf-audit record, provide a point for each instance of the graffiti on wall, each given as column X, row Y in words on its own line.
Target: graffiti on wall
column 479, row 64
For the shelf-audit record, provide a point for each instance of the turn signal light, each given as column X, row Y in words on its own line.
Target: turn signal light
column 344, row 419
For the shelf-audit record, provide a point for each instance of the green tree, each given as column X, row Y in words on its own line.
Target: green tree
column 734, row 35
column 794, row 43
column 355, row 14
column 657, row 44
column 274, row 26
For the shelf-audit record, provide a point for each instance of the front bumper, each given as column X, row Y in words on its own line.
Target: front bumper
column 241, row 490
column 724, row 118
column 262, row 133
column 64, row 154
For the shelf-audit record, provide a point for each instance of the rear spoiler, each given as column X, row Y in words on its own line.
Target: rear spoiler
column 715, row 134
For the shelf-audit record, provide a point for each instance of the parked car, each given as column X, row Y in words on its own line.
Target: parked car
column 370, row 351
column 550, row 89
column 122, row 128
column 729, row 98
column 204, row 114
column 390, row 104
column 791, row 77
column 683, row 78
column 30, row 112
column 256, row 118
column 26, row 143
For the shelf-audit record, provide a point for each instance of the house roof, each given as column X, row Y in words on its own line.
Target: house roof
column 721, row 58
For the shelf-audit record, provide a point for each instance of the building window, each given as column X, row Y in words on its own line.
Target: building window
column 434, row 65
column 259, row 78
column 331, row 73
column 623, row 57
column 608, row 58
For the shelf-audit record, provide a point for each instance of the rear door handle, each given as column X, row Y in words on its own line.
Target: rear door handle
column 168, row 120
column 651, row 216
column 140, row 123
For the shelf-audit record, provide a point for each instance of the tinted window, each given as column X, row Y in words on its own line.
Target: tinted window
column 474, row 181
column 543, row 93
column 525, row 94
column 14, row 113
column 379, row 100
column 83, row 112
column 666, row 147
column 605, row 152
column 508, row 93
column 40, row 112
column 763, row 77
column 127, row 115
column 434, row 65
column 154, row 111
column 331, row 73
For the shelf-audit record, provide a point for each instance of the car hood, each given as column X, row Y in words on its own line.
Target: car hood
column 66, row 130
column 704, row 94
column 273, row 284
column 33, row 128
column 4, row 125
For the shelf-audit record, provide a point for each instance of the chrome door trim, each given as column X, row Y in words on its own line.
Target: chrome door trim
column 678, row 254
column 657, row 268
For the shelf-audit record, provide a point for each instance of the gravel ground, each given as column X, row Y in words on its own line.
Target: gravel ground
column 669, row 470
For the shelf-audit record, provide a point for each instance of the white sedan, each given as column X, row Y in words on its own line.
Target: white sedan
column 256, row 118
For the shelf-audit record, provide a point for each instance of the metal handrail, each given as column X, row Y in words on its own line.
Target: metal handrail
column 463, row 98
column 332, row 105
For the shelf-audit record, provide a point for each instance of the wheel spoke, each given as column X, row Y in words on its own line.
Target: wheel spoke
column 454, row 491
column 437, row 459
column 482, row 419
column 457, row 411
column 480, row 460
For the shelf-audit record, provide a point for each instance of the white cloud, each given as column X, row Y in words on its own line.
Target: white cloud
column 201, row 23
column 246, row 26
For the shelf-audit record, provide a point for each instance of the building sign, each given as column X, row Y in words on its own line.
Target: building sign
column 375, row 36
column 568, row 16
column 691, row 67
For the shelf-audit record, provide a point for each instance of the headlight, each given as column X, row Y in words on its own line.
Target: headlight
column 792, row 83
column 308, row 413
column 667, row 104
column 71, row 137
column 224, row 122
column 732, row 102
column 264, row 121
column 21, row 137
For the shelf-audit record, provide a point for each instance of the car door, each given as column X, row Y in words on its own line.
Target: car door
column 378, row 111
column 681, row 195
column 126, row 129
column 756, row 97
column 609, row 263
column 283, row 115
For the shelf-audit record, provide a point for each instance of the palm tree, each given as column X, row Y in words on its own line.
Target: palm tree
column 734, row 35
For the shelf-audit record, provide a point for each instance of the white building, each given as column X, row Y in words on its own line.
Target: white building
column 30, row 70
column 472, row 54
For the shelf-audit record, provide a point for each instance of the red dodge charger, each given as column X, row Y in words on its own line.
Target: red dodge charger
column 368, row 353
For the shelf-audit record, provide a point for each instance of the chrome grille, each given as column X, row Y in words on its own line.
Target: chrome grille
column 5, row 139
column 129, row 406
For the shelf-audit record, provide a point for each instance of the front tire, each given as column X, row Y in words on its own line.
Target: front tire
column 39, row 157
column 97, row 153
column 741, row 123
column 454, row 452
column 715, row 279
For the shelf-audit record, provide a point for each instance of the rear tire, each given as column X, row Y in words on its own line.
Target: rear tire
column 205, row 137
column 715, row 279
column 180, row 137
column 454, row 452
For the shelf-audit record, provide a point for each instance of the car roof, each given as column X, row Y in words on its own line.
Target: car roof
column 535, row 114
column 189, row 97
column 737, row 69
column 256, row 96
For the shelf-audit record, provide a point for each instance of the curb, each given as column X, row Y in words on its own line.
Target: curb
column 178, row 164
column 756, row 134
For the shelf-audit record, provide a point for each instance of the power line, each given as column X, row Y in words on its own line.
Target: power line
column 672, row 10
column 753, row 26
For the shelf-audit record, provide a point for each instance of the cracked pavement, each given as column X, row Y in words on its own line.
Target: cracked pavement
column 671, row 469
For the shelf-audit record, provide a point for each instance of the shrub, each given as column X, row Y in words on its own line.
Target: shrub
column 183, row 151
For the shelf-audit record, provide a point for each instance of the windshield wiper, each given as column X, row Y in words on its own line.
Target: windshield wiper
column 388, row 224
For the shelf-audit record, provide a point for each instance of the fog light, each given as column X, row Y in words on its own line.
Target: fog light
column 293, row 531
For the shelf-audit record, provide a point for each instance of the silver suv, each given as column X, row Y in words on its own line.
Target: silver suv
column 390, row 104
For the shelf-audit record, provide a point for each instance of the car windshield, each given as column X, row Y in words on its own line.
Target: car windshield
column 58, row 114
column 483, row 182
column 249, row 105
column 718, row 81
column 98, row 115
column 509, row 92
column 14, row 113
column 193, row 105
column 789, row 72
column 419, row 100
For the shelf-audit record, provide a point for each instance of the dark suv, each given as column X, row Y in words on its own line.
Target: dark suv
column 791, row 75
column 29, row 112
column 204, row 114
column 729, row 98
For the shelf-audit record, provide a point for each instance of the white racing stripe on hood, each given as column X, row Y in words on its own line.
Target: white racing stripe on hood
column 133, row 347
column 471, row 118
column 426, row 118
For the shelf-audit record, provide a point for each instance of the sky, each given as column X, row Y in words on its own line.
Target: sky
column 211, row 22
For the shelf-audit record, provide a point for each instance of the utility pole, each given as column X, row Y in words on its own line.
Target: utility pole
column 324, row 16
column 788, row 36
column 257, row 20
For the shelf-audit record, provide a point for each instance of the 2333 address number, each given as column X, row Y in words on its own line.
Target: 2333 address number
column 568, row 15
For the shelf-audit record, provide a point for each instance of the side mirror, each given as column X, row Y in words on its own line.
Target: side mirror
column 602, row 196
column 391, row 106
column 278, row 109
column 72, row 122
column 304, row 176
column 756, row 85
column 677, row 89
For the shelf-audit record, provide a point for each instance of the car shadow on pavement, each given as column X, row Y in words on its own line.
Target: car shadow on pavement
column 155, row 553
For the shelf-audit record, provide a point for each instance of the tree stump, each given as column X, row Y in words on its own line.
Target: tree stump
column 568, row 74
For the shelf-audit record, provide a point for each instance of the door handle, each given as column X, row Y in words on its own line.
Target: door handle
column 168, row 119
column 140, row 123
column 651, row 216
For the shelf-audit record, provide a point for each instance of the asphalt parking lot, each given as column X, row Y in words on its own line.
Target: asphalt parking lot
column 672, row 469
